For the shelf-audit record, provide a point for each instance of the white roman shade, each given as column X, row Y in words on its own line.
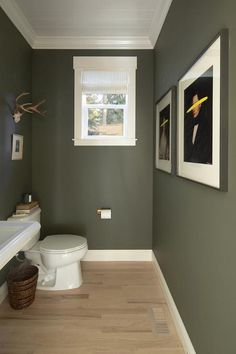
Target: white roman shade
column 114, row 82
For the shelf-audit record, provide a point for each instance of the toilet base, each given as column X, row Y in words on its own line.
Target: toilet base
column 63, row 278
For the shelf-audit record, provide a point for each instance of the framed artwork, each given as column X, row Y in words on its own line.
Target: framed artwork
column 203, row 116
column 17, row 147
column 165, row 131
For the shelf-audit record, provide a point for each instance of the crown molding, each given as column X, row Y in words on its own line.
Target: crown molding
column 158, row 21
column 15, row 14
column 92, row 43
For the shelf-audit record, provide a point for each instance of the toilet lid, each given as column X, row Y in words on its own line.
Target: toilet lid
column 62, row 243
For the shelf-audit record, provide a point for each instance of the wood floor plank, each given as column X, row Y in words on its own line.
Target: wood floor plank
column 119, row 309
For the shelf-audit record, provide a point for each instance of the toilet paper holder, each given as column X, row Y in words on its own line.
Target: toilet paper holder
column 105, row 213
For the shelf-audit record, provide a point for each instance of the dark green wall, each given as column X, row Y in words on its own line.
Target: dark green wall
column 195, row 226
column 15, row 77
column 73, row 182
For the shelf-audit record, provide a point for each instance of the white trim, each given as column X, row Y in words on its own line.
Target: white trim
column 101, row 63
column 118, row 255
column 50, row 42
column 105, row 142
column 105, row 63
column 15, row 14
column 158, row 21
column 182, row 332
column 18, row 18
column 3, row 292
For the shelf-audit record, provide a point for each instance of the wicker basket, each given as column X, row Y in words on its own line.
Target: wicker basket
column 22, row 284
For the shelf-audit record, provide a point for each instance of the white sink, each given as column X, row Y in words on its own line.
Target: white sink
column 16, row 236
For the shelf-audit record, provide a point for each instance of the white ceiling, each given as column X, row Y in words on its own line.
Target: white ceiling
column 101, row 24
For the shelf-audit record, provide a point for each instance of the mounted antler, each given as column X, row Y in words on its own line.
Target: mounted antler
column 20, row 109
column 34, row 109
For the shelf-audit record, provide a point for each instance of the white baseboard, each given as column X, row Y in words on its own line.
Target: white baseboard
column 118, row 255
column 182, row 332
column 3, row 292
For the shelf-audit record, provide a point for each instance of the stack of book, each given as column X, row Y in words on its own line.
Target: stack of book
column 25, row 209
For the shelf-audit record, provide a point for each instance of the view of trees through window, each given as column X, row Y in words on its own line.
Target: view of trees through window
column 106, row 113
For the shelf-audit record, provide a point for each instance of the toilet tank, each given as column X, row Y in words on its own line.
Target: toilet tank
column 34, row 216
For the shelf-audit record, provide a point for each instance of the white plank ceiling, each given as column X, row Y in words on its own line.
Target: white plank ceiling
column 88, row 23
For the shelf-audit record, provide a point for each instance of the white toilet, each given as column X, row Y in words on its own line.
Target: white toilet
column 57, row 257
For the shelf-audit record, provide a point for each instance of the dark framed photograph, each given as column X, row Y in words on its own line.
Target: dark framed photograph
column 203, row 116
column 165, row 131
column 17, row 147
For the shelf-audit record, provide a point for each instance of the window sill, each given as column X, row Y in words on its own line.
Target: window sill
column 105, row 142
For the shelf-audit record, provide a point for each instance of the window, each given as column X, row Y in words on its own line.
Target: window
column 105, row 100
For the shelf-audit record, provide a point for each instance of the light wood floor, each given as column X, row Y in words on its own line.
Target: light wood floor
column 119, row 309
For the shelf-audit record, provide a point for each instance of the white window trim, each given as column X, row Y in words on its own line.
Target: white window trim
column 128, row 64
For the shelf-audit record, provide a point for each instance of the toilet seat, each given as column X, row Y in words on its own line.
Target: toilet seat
column 58, row 244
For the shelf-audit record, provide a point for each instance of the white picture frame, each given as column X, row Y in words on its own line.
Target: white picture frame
column 17, row 147
column 202, row 117
column 165, row 132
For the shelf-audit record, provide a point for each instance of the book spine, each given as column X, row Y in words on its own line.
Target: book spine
column 26, row 211
column 18, row 215
column 26, row 206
